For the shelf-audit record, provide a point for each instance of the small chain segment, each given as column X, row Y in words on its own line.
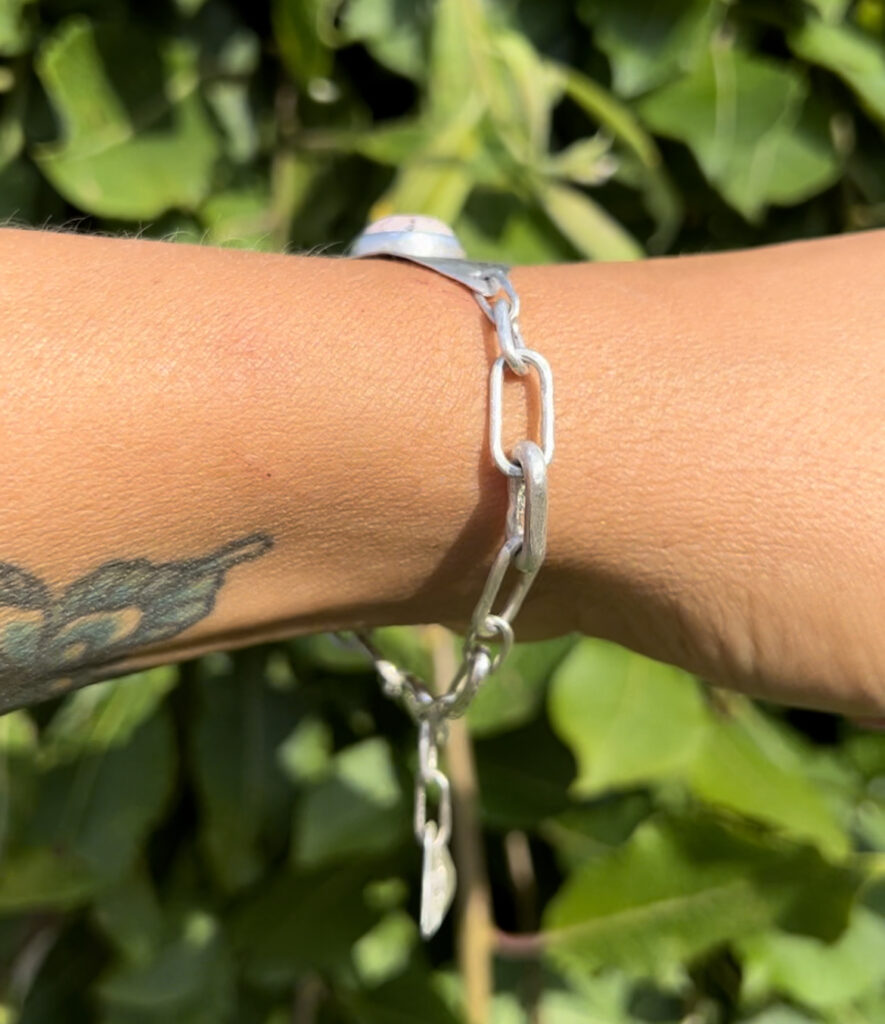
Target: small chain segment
column 489, row 636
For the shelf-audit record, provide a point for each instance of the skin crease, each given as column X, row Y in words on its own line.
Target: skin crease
column 717, row 497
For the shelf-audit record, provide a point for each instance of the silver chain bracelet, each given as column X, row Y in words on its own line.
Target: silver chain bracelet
column 430, row 243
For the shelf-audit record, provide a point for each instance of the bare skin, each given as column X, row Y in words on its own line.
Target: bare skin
column 205, row 448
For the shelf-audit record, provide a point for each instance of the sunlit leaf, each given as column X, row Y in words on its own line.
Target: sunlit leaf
column 15, row 26
column 677, row 889
column 780, row 1015
column 626, row 718
column 305, row 755
column 302, row 30
column 384, row 951
column 856, row 57
column 587, row 225
column 823, row 976
column 745, row 764
column 104, row 715
column 135, row 138
column 512, row 695
column 745, row 119
column 241, row 219
column 393, row 31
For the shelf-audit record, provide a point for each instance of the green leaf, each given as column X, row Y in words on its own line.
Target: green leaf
column 779, row 1015
column 677, row 889
column 588, row 830
column 292, row 923
column 649, row 43
column 813, row 973
column 746, row 764
column 90, row 819
column 104, row 715
column 521, row 90
column 44, row 879
column 18, row 769
column 830, row 10
column 592, row 231
column 21, row 187
column 329, row 652
column 384, row 951
column 513, row 695
column 408, row 647
column 393, row 31
column 495, row 226
column 239, row 218
column 244, row 798
column 136, row 140
column 586, row 162
column 15, row 27
column 303, row 32
column 359, row 810
column 627, row 719
column 523, row 776
column 857, row 58
column 229, row 56
column 640, row 154
column 188, row 981
column 395, row 1001
column 306, row 753
column 129, row 914
column 459, row 44
column 439, row 177
column 744, row 118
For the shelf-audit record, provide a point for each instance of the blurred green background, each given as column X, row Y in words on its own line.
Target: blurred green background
column 229, row 840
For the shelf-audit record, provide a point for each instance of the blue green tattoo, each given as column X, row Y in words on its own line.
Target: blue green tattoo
column 51, row 642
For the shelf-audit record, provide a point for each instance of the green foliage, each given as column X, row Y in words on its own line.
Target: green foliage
column 230, row 840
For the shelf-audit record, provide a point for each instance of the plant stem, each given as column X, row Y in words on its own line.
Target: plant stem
column 474, row 929
column 307, row 998
column 525, row 889
column 519, row 947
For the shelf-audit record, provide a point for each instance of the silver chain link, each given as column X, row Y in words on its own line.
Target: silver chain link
column 525, row 540
column 490, row 636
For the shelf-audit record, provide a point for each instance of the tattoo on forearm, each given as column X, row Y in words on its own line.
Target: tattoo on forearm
column 51, row 642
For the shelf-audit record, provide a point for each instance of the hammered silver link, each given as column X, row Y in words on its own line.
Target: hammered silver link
column 527, row 509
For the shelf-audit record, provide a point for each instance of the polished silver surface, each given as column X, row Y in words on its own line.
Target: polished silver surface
column 496, row 388
column 431, row 244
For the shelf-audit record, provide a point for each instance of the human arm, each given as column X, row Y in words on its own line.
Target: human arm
column 300, row 443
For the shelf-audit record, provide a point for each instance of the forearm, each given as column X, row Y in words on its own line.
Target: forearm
column 298, row 433
column 720, row 482
column 716, row 497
